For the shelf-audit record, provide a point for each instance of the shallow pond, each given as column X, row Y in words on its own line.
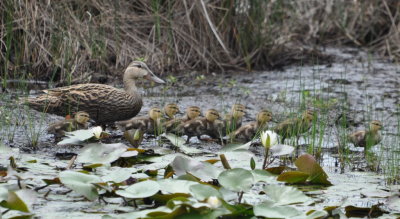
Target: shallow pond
column 363, row 88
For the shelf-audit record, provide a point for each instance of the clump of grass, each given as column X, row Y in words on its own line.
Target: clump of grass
column 72, row 40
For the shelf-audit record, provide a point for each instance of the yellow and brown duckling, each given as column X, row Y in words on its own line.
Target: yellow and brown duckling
column 367, row 138
column 147, row 124
column 200, row 126
column 80, row 121
column 233, row 120
column 170, row 110
column 249, row 131
column 99, row 100
column 295, row 126
column 192, row 112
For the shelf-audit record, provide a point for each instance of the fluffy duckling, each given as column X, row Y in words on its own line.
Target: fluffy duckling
column 295, row 126
column 233, row 120
column 80, row 121
column 249, row 131
column 367, row 138
column 200, row 126
column 146, row 124
column 170, row 110
column 192, row 112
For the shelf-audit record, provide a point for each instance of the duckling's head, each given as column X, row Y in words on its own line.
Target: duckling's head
column 155, row 113
column 375, row 125
column 138, row 70
column 193, row 112
column 264, row 116
column 81, row 117
column 308, row 115
column 212, row 115
column 238, row 110
column 171, row 109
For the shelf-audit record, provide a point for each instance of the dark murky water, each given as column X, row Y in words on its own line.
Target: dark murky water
column 370, row 89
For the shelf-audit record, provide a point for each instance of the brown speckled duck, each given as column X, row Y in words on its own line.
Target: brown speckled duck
column 192, row 112
column 367, row 138
column 295, row 126
column 80, row 121
column 199, row 126
column 249, row 131
column 104, row 103
column 147, row 124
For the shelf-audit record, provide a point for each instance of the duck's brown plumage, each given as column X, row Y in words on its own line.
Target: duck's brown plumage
column 367, row 138
column 295, row 126
column 249, row 131
column 104, row 103
column 68, row 125
column 192, row 112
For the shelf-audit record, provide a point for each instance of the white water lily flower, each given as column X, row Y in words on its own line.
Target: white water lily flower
column 269, row 138
column 214, row 201
column 97, row 131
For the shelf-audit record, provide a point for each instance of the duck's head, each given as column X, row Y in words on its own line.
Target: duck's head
column 138, row 70
column 155, row 113
column 264, row 116
column 81, row 117
column 308, row 115
column 238, row 110
column 212, row 115
column 171, row 109
column 193, row 112
column 375, row 125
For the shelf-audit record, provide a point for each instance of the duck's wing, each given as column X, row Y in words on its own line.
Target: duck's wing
column 134, row 123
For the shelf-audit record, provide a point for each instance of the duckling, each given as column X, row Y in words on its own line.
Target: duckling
column 170, row 110
column 80, row 121
column 192, row 112
column 199, row 126
column 146, row 124
column 295, row 126
column 249, row 131
column 367, row 138
column 233, row 120
column 105, row 104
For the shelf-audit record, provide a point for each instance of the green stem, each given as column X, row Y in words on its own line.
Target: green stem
column 265, row 158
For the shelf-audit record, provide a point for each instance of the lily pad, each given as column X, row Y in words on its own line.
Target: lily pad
column 180, row 143
column 81, row 183
column 21, row 200
column 202, row 192
column 263, row 176
column 284, row 195
column 293, row 177
column 77, row 137
column 234, row 146
column 101, row 153
column 270, row 210
column 281, row 150
column 169, row 186
column 140, row 190
column 202, row 170
column 237, row 179
column 307, row 164
column 118, row 174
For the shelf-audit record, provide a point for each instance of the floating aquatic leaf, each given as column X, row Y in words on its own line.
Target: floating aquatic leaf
column 293, row 177
column 312, row 215
column 270, row 210
column 139, row 214
column 180, row 143
column 140, row 190
column 21, row 200
column 372, row 212
column 281, row 150
column 117, row 174
column 3, row 193
column 202, row 192
column 77, row 137
column 101, row 153
column 237, row 179
column 307, row 163
column 263, row 176
column 234, row 146
column 276, row 170
column 202, row 170
column 284, row 195
column 168, row 186
column 81, row 183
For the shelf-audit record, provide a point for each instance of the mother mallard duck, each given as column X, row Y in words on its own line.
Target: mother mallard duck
column 105, row 104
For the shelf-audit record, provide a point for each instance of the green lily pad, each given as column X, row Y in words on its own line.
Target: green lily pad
column 21, row 200
column 270, row 210
column 202, row 170
column 263, row 176
column 140, row 190
column 234, row 146
column 293, row 177
column 77, row 137
column 101, row 153
column 180, row 143
column 281, row 150
column 237, row 179
column 81, row 183
column 285, row 195
column 169, row 186
column 117, row 175
column 202, row 192
column 307, row 164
